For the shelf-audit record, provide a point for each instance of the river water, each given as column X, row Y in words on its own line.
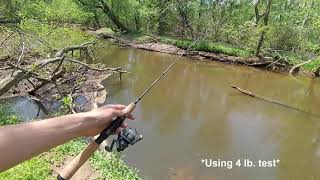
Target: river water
column 193, row 115
column 192, row 119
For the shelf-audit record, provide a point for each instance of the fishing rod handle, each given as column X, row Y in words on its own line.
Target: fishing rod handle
column 85, row 154
column 78, row 161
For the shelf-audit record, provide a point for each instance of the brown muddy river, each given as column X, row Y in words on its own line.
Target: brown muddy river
column 193, row 115
column 196, row 127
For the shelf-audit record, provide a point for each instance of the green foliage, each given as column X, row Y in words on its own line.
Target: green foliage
column 108, row 166
column 9, row 9
column 36, row 168
column 206, row 46
column 56, row 36
column 67, row 104
column 57, row 11
column 72, row 148
column 112, row 167
column 67, row 101
column 138, row 37
column 284, row 38
column 106, row 30
column 313, row 65
column 7, row 117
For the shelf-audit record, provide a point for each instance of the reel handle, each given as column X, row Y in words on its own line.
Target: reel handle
column 89, row 150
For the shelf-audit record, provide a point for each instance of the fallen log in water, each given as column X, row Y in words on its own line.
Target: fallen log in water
column 296, row 67
column 248, row 93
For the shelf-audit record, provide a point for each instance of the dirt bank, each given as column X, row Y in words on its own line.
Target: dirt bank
column 267, row 63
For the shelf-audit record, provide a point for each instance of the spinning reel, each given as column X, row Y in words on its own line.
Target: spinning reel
column 125, row 137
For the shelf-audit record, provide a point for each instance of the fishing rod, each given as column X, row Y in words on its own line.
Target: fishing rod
column 129, row 136
column 126, row 137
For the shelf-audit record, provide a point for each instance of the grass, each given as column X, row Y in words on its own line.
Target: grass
column 206, row 46
column 36, row 168
column 107, row 165
column 7, row 117
column 312, row 66
column 199, row 45
column 111, row 166
column 138, row 37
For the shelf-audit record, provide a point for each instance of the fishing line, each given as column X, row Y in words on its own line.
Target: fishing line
column 165, row 71
column 126, row 137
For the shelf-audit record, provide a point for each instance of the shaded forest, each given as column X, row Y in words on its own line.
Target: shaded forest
column 288, row 30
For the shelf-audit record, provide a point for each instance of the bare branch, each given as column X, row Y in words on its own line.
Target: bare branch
column 5, row 40
column 22, row 47
column 53, row 78
column 57, row 68
column 72, row 48
column 93, row 68
column 32, row 74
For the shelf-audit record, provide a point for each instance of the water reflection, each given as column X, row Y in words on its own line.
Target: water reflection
column 26, row 108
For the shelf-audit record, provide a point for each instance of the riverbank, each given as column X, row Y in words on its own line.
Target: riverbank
column 46, row 165
column 200, row 50
column 66, row 76
column 63, row 72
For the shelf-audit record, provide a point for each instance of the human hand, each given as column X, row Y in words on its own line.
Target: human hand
column 103, row 116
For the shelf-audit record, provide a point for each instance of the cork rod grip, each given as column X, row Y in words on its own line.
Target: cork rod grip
column 78, row 161
column 129, row 109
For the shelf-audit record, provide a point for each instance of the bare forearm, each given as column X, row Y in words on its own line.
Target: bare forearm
column 21, row 142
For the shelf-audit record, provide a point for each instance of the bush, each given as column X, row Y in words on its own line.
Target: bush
column 56, row 36
column 284, row 38
column 206, row 46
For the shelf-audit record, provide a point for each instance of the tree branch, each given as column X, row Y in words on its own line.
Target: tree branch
column 118, row 69
column 248, row 93
column 298, row 65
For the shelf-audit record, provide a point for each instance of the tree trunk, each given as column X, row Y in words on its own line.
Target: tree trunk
column 113, row 17
column 260, row 43
column 162, row 17
column 97, row 20
column 265, row 23
column 9, row 21
column 10, row 81
column 137, row 20
column 256, row 10
column 200, row 14
column 185, row 21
